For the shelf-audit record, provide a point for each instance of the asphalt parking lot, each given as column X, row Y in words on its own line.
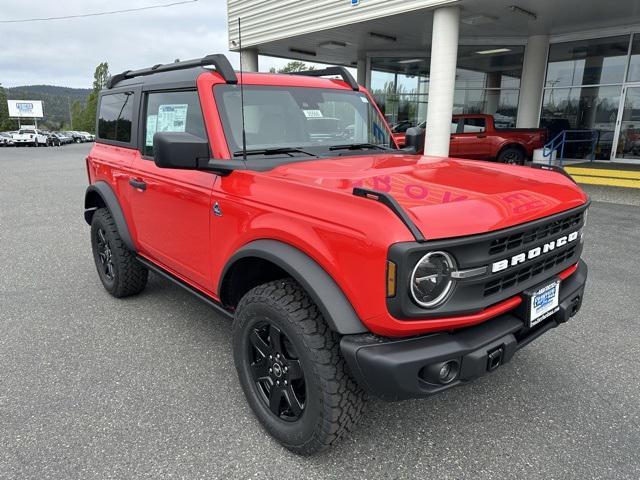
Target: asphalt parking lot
column 95, row 387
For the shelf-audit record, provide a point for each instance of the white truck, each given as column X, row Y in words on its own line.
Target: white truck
column 30, row 135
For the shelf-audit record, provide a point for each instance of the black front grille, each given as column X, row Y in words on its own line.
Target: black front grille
column 518, row 276
column 474, row 294
column 526, row 237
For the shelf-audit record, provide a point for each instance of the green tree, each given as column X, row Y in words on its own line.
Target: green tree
column 83, row 118
column 293, row 66
column 4, row 111
column 88, row 118
column 77, row 115
column 5, row 122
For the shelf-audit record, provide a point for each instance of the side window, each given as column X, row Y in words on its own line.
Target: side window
column 473, row 125
column 172, row 112
column 454, row 125
column 116, row 113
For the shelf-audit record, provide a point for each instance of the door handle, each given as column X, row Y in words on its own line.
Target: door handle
column 139, row 184
column 482, row 135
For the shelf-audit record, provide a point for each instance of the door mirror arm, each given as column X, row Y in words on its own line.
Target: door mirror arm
column 221, row 167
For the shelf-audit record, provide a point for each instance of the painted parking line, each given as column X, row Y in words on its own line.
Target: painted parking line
column 598, row 172
column 609, row 181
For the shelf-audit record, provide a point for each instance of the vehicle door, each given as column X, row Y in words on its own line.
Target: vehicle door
column 453, row 143
column 471, row 138
column 171, row 208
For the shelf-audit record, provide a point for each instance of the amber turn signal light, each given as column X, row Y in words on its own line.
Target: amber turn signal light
column 391, row 279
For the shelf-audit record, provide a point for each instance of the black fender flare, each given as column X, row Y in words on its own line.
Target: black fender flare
column 104, row 191
column 323, row 290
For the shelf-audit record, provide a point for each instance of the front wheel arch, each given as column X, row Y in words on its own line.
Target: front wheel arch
column 275, row 260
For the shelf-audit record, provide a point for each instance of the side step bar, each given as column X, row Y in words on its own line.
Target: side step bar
column 217, row 306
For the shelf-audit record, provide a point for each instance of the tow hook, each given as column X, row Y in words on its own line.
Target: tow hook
column 494, row 358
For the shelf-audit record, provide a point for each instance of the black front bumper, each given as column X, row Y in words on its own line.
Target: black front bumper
column 397, row 369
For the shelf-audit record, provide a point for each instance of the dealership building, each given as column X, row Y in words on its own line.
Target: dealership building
column 565, row 65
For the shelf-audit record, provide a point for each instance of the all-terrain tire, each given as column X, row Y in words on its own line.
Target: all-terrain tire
column 126, row 276
column 333, row 401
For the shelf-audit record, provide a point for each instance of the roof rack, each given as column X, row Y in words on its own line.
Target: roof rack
column 343, row 72
column 223, row 67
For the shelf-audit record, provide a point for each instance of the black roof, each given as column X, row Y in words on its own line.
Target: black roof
column 174, row 79
column 184, row 74
column 174, row 73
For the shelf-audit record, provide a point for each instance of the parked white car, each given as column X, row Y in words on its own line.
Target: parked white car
column 30, row 136
column 88, row 137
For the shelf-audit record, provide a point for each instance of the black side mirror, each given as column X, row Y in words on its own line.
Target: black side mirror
column 180, row 150
column 414, row 140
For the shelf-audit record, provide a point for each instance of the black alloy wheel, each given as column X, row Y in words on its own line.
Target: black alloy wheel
column 277, row 372
column 511, row 156
column 105, row 255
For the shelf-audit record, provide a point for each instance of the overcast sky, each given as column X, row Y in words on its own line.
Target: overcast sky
column 66, row 52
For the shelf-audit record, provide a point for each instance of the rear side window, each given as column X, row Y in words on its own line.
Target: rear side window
column 115, row 119
column 172, row 112
column 473, row 125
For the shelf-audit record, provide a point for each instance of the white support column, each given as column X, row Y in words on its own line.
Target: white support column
column 367, row 74
column 249, row 58
column 362, row 72
column 442, row 78
column 532, row 81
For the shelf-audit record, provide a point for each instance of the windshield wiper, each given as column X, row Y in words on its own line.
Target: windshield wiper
column 273, row 151
column 359, row 146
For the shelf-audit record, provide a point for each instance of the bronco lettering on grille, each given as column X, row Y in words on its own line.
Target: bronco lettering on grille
column 534, row 252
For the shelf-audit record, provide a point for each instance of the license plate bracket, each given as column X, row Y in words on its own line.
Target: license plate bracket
column 541, row 302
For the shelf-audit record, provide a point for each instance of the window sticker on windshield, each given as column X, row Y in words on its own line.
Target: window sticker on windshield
column 172, row 118
column 363, row 99
column 312, row 113
column 152, row 122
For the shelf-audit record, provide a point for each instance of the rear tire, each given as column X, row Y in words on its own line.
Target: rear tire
column 121, row 274
column 511, row 156
column 291, row 370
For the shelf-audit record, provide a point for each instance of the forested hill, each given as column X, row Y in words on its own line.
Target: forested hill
column 57, row 100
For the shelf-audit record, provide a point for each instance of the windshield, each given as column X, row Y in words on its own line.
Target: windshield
column 320, row 121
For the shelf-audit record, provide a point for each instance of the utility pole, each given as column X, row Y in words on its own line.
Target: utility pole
column 70, row 115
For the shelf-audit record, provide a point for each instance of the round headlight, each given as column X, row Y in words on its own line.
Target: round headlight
column 431, row 280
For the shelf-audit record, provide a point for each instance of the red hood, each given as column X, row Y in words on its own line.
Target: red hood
column 446, row 197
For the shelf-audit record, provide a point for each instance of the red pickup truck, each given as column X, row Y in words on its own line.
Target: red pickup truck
column 347, row 266
column 476, row 137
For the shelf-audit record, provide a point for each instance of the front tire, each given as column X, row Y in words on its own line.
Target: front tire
column 121, row 274
column 291, row 370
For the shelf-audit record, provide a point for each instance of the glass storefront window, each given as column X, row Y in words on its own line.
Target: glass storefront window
column 587, row 62
column 582, row 108
column 502, row 104
column 629, row 140
column 489, row 66
column 634, row 62
column 487, row 81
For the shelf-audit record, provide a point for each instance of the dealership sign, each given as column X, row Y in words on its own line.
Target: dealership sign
column 25, row 108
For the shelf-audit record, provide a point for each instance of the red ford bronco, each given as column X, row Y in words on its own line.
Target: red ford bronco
column 349, row 267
